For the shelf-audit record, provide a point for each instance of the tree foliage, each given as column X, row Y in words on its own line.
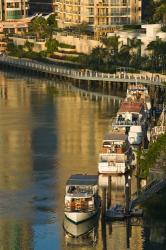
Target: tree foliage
column 52, row 45
column 150, row 157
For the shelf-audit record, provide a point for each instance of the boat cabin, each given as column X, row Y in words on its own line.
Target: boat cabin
column 130, row 113
column 81, row 191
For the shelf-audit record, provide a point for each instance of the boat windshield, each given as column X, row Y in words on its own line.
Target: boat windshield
column 80, row 189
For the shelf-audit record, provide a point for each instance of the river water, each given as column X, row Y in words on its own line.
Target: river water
column 48, row 131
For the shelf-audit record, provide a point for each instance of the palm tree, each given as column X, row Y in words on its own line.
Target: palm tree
column 98, row 58
column 135, row 46
column 38, row 26
column 111, row 43
column 135, row 51
column 124, row 56
column 160, row 13
column 156, row 49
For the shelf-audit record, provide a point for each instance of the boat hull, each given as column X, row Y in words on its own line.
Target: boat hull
column 106, row 169
column 78, row 217
column 135, row 139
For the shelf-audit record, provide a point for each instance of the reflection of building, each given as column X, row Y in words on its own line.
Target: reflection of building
column 98, row 14
column 15, row 163
column 11, row 10
column 15, row 135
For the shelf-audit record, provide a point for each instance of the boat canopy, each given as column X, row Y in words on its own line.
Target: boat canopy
column 131, row 107
column 115, row 136
column 83, row 179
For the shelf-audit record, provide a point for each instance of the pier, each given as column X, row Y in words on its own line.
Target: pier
column 82, row 74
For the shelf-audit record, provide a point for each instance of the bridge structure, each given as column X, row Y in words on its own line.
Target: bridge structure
column 83, row 74
column 147, row 192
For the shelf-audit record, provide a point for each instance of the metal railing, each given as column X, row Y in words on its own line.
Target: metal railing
column 82, row 74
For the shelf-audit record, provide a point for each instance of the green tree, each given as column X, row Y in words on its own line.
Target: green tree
column 29, row 46
column 156, row 49
column 52, row 45
column 51, row 25
column 38, row 26
column 111, row 43
column 160, row 13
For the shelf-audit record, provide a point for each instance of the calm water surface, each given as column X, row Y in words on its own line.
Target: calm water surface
column 48, row 131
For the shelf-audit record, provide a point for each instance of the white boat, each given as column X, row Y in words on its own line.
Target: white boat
column 132, row 118
column 139, row 93
column 81, row 199
column 115, row 154
column 135, row 135
column 77, row 230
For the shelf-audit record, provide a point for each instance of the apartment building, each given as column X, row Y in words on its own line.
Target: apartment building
column 13, row 9
column 98, row 13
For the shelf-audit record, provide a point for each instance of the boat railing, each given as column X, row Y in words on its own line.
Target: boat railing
column 113, row 149
column 123, row 122
column 78, row 192
column 115, row 158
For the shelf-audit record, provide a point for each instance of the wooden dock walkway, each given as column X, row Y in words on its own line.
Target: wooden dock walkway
column 82, row 74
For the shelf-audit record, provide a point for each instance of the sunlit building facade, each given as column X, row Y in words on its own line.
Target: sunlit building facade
column 12, row 10
column 98, row 13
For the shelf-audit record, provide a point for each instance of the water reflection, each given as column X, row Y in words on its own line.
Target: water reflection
column 49, row 131
column 81, row 235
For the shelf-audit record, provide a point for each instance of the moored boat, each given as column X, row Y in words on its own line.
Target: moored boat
column 139, row 93
column 115, row 154
column 132, row 118
column 135, row 135
column 81, row 199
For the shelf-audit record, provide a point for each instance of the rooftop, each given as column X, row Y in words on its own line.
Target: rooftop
column 82, row 179
column 115, row 136
column 130, row 107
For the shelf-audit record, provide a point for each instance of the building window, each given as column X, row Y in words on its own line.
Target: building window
column 91, row 20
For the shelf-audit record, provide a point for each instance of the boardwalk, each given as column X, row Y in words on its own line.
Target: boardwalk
column 84, row 74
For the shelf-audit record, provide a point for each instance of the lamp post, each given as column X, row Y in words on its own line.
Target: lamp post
column 127, row 198
column 128, row 193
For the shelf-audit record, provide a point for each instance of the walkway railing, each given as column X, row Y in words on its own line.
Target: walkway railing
column 83, row 74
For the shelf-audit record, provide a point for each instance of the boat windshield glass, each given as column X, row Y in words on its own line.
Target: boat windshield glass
column 80, row 189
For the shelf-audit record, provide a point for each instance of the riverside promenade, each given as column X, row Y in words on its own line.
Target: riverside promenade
column 82, row 74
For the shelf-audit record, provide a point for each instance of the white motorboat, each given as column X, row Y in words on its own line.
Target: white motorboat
column 132, row 118
column 135, row 135
column 139, row 93
column 77, row 230
column 115, row 154
column 81, row 199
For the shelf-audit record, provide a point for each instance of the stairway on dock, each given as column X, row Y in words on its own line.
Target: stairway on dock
column 153, row 188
